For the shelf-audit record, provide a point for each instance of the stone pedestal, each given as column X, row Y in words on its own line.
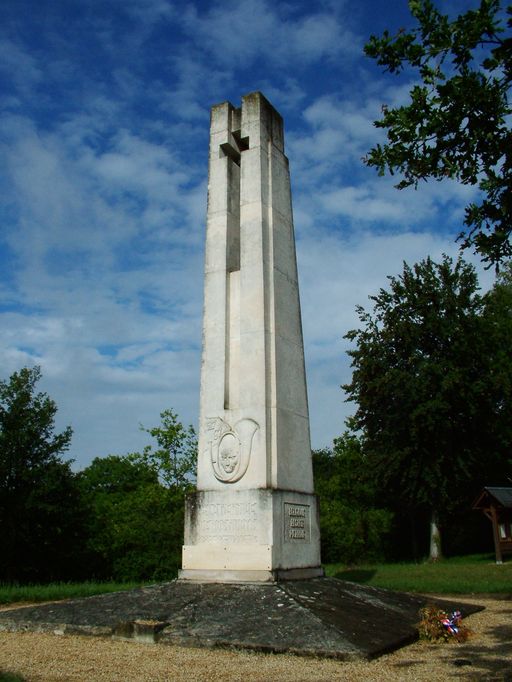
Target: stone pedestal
column 251, row 535
column 254, row 516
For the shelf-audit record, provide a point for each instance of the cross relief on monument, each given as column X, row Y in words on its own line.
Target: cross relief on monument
column 234, row 148
column 254, row 515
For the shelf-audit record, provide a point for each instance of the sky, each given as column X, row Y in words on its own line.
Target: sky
column 104, row 116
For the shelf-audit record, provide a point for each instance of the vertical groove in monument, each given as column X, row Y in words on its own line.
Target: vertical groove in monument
column 232, row 332
column 254, row 516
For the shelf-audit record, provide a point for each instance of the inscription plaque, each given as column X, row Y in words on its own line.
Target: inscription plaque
column 297, row 522
column 228, row 524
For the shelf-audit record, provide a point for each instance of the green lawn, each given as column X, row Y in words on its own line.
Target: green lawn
column 459, row 575
column 54, row 591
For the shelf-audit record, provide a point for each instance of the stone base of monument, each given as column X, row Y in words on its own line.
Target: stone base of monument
column 318, row 617
column 260, row 535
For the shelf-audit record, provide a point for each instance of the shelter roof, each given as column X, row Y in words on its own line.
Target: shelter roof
column 503, row 496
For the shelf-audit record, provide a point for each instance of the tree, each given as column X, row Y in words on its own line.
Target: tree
column 115, row 474
column 497, row 322
column 136, row 505
column 135, row 527
column 175, row 459
column 457, row 124
column 353, row 525
column 432, row 385
column 39, row 508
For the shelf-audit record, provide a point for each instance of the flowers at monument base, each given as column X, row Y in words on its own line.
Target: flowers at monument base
column 436, row 625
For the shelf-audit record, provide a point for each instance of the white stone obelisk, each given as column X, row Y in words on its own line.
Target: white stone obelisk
column 254, row 516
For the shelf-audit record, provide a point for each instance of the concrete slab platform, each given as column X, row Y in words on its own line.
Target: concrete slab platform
column 318, row 617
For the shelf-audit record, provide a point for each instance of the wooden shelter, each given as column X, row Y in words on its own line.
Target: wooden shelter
column 496, row 504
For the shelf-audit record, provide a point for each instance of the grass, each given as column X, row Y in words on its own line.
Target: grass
column 475, row 574
column 55, row 591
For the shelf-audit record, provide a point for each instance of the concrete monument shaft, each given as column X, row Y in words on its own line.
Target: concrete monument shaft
column 254, row 516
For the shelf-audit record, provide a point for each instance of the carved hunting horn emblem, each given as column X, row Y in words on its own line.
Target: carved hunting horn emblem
column 230, row 447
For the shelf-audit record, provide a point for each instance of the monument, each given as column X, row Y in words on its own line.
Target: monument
column 253, row 522
column 254, row 516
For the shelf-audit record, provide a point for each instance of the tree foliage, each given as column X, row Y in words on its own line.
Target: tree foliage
column 431, row 379
column 120, row 518
column 175, row 458
column 353, row 525
column 457, row 124
column 136, row 505
column 497, row 322
column 40, row 517
column 135, row 524
column 27, row 424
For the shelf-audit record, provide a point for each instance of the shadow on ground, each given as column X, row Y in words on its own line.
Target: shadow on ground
column 474, row 661
column 10, row 677
column 496, row 664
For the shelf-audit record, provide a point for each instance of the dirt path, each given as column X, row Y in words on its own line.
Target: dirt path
column 49, row 658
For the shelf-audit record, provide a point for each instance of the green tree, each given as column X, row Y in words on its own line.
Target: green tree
column 115, row 474
column 498, row 332
column 457, row 124
column 175, row 458
column 136, row 505
column 134, row 522
column 431, row 380
column 39, row 506
column 353, row 525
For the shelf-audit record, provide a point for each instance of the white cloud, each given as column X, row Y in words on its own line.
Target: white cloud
column 18, row 64
column 288, row 96
column 338, row 272
column 242, row 31
column 149, row 12
column 362, row 204
column 104, row 178
column 109, row 246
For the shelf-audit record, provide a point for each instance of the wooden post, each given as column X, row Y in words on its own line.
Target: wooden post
column 496, row 533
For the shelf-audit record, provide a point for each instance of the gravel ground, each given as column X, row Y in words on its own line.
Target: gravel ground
column 49, row 658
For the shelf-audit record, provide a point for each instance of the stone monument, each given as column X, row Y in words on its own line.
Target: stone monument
column 254, row 516
column 253, row 520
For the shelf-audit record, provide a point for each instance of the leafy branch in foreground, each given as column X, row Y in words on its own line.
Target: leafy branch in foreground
column 457, row 123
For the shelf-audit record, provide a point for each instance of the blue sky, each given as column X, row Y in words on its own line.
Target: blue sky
column 103, row 139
